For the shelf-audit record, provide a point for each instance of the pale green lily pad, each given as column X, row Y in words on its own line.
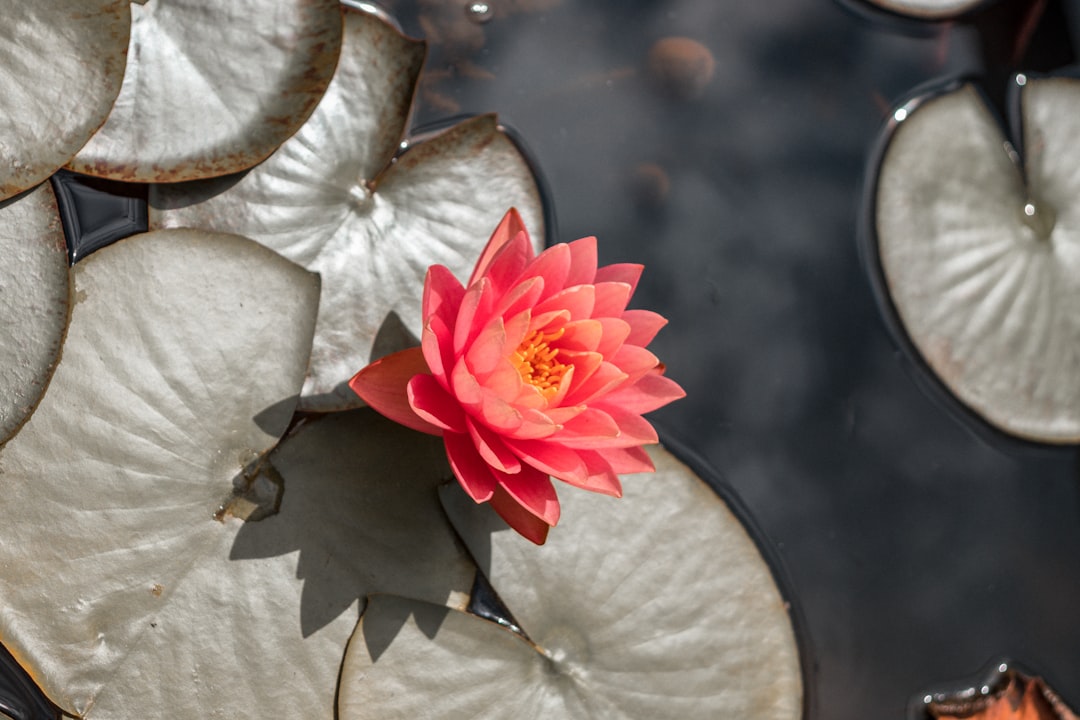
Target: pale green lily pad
column 183, row 358
column 35, row 299
column 929, row 9
column 331, row 200
column 213, row 87
column 983, row 268
column 655, row 605
column 61, row 65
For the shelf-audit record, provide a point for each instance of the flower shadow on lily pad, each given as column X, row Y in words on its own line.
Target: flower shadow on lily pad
column 360, row 506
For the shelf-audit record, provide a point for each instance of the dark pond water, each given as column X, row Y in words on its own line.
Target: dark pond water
column 919, row 545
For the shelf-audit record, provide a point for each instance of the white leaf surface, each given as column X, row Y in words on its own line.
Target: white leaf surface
column 35, row 299
column 61, row 65
column 331, row 200
column 183, row 358
column 213, row 87
column 656, row 605
column 983, row 268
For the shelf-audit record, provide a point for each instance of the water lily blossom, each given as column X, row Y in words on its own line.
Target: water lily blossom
column 532, row 370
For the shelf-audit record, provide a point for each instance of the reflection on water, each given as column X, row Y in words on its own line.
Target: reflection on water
column 732, row 167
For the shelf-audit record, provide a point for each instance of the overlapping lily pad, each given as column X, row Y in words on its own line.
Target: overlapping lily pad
column 213, row 87
column 61, row 65
column 184, row 355
column 35, row 297
column 335, row 199
column 981, row 255
column 657, row 605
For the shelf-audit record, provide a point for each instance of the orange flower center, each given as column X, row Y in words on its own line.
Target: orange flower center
column 536, row 362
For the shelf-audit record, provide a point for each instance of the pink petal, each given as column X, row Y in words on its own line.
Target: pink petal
column 505, row 381
column 562, row 415
column 553, row 265
column 522, row 521
column 508, row 228
column 644, row 324
column 442, row 294
column 534, row 425
column 583, row 335
column 521, row 297
column 438, row 347
column 465, row 387
column 611, row 299
column 533, row 491
column 588, row 430
column 578, row 301
column 628, row 273
column 475, row 475
column 488, row 349
column 615, row 333
column 606, row 378
column 469, row 318
column 492, row 449
column 505, row 270
column 601, row 479
column 634, row 361
column 627, row 460
column 582, row 262
column 551, row 457
column 382, row 385
column 633, row 429
column 649, row 393
column 431, row 402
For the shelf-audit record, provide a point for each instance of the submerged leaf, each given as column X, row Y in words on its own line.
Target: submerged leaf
column 982, row 267
column 1016, row 697
column 331, row 200
column 61, row 64
column 35, row 297
column 183, row 358
column 655, row 606
column 213, row 87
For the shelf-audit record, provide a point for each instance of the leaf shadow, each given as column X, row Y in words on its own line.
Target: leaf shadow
column 361, row 509
column 378, row 636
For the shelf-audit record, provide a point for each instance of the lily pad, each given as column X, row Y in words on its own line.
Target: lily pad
column 182, row 362
column 213, row 87
column 35, row 298
column 61, row 68
column 981, row 256
column 336, row 200
column 656, row 605
column 929, row 9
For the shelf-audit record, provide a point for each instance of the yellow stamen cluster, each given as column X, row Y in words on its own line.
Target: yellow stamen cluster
column 536, row 362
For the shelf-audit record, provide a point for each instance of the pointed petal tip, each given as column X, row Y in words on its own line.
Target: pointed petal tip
column 382, row 385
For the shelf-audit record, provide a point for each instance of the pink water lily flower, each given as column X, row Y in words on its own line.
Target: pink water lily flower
column 534, row 369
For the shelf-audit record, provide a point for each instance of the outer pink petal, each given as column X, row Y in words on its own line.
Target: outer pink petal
column 611, row 299
column 634, row 361
column 644, row 324
column 382, row 385
column 437, row 343
column 519, row 298
column 508, row 228
column 431, row 402
column 553, row 265
column 505, row 269
column 602, row 477
column 521, row 520
column 627, row 460
column 475, row 475
column 492, row 449
column 552, row 457
column 628, row 273
column 587, row 430
column 582, row 262
column 606, row 378
column 633, row 429
column 578, row 301
column 649, row 393
column 469, row 320
column 615, row 333
column 442, row 294
column 534, row 492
